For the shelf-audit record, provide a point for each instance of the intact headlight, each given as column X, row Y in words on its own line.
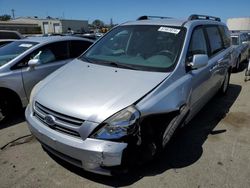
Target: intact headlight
column 121, row 124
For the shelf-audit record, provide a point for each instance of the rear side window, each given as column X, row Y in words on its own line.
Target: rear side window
column 215, row 40
column 59, row 49
column 197, row 44
column 78, row 47
column 225, row 36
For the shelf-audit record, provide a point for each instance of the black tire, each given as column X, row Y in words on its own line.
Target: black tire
column 9, row 104
column 166, row 133
column 1, row 115
column 151, row 145
column 4, row 111
column 237, row 66
column 158, row 131
column 225, row 84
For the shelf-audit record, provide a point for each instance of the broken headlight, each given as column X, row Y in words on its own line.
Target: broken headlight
column 121, row 124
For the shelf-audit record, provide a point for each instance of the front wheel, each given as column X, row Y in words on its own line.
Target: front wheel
column 3, row 108
column 9, row 104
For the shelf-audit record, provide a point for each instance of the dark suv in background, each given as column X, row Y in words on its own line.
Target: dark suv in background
column 7, row 36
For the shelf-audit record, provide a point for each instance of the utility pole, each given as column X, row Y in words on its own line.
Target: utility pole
column 111, row 23
column 13, row 13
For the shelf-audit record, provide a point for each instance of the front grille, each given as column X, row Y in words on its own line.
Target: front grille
column 62, row 123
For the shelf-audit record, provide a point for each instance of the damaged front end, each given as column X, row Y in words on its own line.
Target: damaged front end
column 123, row 127
column 124, row 139
column 143, row 135
column 120, row 125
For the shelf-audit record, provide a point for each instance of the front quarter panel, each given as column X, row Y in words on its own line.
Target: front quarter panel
column 168, row 97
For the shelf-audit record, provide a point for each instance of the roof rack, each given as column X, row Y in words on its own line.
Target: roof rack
column 203, row 17
column 150, row 17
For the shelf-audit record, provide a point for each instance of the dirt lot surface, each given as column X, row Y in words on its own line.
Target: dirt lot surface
column 212, row 151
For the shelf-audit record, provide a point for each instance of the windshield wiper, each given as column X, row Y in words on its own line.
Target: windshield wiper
column 119, row 65
column 104, row 62
column 83, row 58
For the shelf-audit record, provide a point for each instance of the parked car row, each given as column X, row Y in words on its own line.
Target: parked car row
column 124, row 97
column 92, row 36
column 241, row 44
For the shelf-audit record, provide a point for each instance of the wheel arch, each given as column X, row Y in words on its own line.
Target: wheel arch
column 155, row 123
column 10, row 94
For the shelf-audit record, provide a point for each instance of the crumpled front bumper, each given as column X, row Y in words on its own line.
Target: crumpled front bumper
column 90, row 154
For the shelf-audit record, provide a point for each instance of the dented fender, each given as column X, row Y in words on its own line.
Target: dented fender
column 167, row 97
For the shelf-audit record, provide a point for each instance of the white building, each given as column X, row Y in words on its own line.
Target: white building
column 47, row 25
column 239, row 24
column 23, row 28
column 78, row 26
column 52, row 25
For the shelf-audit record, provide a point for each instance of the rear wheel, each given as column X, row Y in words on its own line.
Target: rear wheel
column 237, row 66
column 225, row 85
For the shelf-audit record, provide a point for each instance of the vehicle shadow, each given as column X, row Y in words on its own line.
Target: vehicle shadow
column 184, row 149
column 13, row 119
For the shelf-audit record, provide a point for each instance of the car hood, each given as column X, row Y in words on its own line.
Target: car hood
column 95, row 92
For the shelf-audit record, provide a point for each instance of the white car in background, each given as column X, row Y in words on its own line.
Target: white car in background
column 241, row 46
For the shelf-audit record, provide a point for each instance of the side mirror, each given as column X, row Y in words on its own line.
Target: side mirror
column 199, row 61
column 33, row 62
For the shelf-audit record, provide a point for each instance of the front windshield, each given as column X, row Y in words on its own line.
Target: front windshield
column 235, row 40
column 13, row 49
column 141, row 47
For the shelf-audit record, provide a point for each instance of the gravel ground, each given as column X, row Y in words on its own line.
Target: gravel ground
column 212, row 151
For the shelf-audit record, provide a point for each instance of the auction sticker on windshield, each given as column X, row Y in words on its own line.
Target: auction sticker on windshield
column 25, row 45
column 169, row 30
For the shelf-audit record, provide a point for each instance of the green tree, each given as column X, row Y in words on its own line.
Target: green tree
column 5, row 17
column 98, row 24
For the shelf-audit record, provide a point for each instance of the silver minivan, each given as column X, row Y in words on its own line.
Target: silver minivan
column 122, row 100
